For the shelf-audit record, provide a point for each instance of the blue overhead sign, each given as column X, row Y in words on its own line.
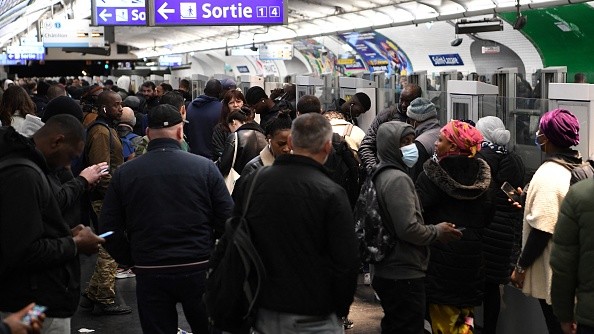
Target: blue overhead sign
column 452, row 59
column 217, row 12
column 118, row 12
column 25, row 52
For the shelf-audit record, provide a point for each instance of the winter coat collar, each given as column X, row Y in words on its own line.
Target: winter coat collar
column 163, row 144
column 460, row 177
column 295, row 159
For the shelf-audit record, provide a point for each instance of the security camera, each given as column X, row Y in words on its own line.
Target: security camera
column 323, row 51
column 457, row 41
column 254, row 48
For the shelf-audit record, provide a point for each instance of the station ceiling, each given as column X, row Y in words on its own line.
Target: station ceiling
column 306, row 18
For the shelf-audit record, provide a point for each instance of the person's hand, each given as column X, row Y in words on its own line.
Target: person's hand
column 276, row 93
column 517, row 279
column 74, row 231
column 447, row 232
column 13, row 321
column 522, row 196
column 569, row 327
column 87, row 242
column 94, row 173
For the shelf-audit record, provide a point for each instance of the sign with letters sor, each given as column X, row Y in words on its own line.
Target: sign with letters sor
column 118, row 12
column 217, row 12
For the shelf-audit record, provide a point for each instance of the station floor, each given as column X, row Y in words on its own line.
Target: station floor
column 365, row 313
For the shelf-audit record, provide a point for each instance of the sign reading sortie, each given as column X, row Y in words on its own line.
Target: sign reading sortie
column 217, row 12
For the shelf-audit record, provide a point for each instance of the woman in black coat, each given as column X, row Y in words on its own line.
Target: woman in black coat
column 454, row 188
column 503, row 236
column 250, row 141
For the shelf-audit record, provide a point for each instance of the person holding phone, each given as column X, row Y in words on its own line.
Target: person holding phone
column 558, row 131
column 453, row 188
column 502, row 237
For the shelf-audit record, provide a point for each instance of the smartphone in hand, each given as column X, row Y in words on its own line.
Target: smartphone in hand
column 510, row 191
column 33, row 314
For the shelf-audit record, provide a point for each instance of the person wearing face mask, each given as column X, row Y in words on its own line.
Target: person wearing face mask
column 422, row 115
column 368, row 149
column 558, row 131
column 399, row 278
column 455, row 189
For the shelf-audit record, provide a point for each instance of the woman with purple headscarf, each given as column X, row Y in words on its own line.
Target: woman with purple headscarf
column 558, row 132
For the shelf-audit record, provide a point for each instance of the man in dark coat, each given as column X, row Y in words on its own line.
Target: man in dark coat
column 163, row 208
column 202, row 116
column 313, row 236
column 38, row 250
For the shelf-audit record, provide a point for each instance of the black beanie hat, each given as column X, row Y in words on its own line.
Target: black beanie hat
column 62, row 105
column 255, row 94
column 364, row 100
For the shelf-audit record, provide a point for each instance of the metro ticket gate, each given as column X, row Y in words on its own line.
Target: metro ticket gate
column 349, row 87
column 470, row 100
column 307, row 85
column 419, row 78
column 579, row 99
column 246, row 81
column 198, row 83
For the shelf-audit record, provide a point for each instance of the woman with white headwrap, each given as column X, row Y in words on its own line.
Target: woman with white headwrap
column 502, row 237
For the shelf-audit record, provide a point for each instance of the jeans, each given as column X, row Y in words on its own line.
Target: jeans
column 158, row 295
column 403, row 302
column 272, row 322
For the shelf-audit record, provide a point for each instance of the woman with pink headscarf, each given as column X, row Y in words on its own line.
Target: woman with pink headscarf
column 453, row 188
column 558, row 131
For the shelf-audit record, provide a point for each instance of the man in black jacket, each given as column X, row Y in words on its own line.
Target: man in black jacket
column 163, row 208
column 38, row 250
column 368, row 149
column 313, row 236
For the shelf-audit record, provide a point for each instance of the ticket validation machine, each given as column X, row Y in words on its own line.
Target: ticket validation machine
column 470, row 100
column 549, row 75
column 419, row 78
column 349, row 87
column 198, row 84
column 579, row 99
column 307, row 85
column 247, row 81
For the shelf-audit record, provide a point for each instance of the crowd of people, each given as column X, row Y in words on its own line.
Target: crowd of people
column 160, row 173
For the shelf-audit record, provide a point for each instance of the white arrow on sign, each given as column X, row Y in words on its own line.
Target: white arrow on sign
column 163, row 10
column 104, row 14
column 10, row 56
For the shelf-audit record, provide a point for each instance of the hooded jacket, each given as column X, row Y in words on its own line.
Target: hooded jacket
column 202, row 116
column 38, row 259
column 455, row 190
column 400, row 207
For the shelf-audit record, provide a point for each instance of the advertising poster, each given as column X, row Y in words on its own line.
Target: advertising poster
column 320, row 61
column 378, row 52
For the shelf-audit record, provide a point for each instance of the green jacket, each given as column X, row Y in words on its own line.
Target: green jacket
column 572, row 257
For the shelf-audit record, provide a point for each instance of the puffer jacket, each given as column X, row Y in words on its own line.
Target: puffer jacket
column 251, row 140
column 368, row 148
column 503, row 236
column 572, row 256
column 455, row 190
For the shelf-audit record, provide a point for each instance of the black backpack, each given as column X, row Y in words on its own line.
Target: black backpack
column 232, row 288
column 582, row 172
column 376, row 239
column 344, row 168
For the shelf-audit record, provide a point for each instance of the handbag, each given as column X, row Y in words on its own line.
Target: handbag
column 232, row 177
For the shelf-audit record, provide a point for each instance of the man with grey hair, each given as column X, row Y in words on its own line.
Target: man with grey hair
column 311, row 237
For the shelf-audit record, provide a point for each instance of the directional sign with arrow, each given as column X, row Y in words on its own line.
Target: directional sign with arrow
column 216, row 12
column 105, row 15
column 163, row 11
column 118, row 12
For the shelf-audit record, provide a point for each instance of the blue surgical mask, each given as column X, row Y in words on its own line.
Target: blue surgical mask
column 538, row 135
column 410, row 154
